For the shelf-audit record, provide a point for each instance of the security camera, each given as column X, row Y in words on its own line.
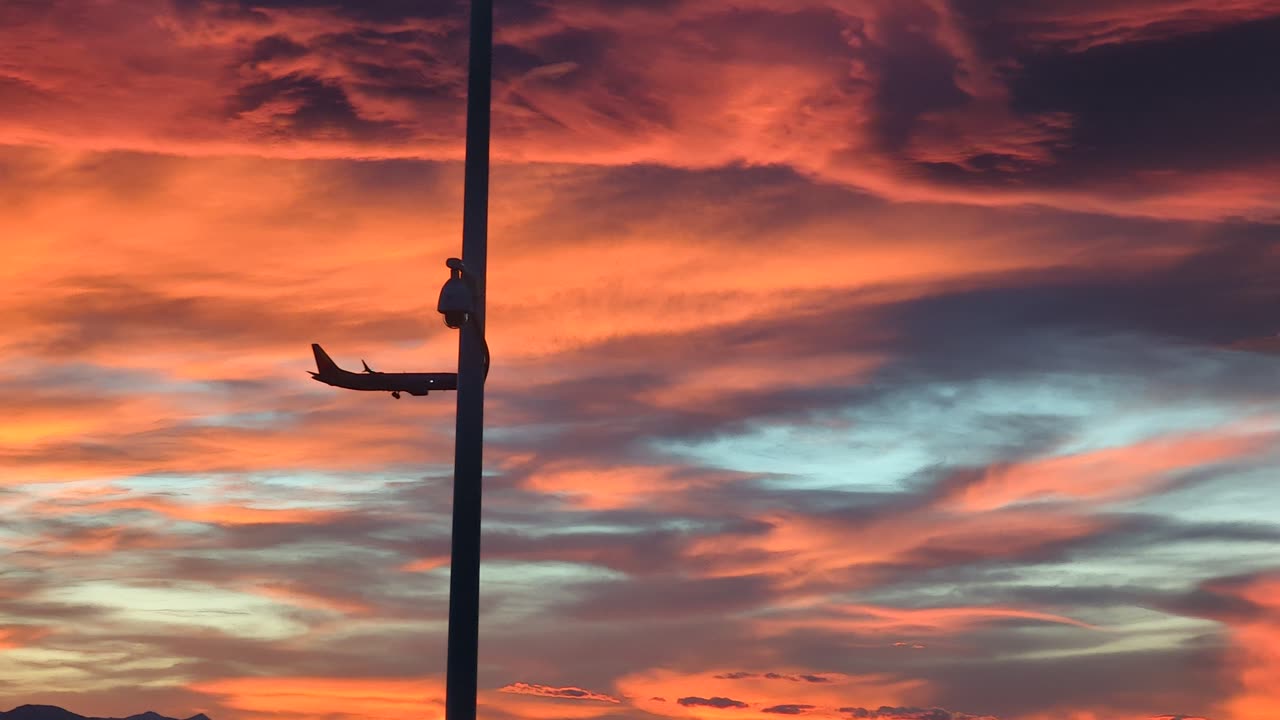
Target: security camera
column 456, row 320
column 457, row 302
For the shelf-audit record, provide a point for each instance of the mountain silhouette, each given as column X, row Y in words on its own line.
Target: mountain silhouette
column 53, row 712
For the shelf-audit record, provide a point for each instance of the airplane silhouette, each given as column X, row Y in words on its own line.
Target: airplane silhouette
column 417, row 384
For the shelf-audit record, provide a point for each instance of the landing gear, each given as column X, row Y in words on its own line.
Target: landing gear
column 395, row 394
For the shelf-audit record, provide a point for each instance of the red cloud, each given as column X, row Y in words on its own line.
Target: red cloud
column 806, row 84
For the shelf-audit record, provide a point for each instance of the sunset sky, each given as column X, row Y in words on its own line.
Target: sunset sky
column 853, row 359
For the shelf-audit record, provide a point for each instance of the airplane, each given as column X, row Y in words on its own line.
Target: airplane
column 417, row 384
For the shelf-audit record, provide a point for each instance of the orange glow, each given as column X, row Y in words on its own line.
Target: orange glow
column 804, row 549
column 707, row 385
column 221, row 514
column 302, row 598
column 659, row 692
column 426, row 564
column 539, row 702
column 99, row 541
column 1071, row 714
column 898, row 621
column 36, row 417
column 757, row 101
column 326, row 444
column 613, row 488
column 227, row 514
column 16, row 636
column 1255, row 653
column 223, row 210
column 302, row 698
column 1110, row 473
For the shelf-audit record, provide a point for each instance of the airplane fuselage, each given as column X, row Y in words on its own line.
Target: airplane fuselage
column 417, row 384
column 411, row 383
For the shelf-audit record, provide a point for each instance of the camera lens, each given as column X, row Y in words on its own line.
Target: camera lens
column 455, row 318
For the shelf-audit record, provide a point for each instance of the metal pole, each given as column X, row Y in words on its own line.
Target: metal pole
column 464, row 573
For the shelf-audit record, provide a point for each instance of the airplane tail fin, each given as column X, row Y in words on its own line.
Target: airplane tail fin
column 323, row 363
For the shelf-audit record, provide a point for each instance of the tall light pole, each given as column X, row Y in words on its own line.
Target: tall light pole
column 464, row 573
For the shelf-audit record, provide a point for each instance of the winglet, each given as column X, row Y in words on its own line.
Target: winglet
column 366, row 366
column 323, row 363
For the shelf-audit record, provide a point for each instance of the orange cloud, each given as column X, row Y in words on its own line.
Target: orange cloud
column 1254, row 657
column 776, row 83
column 98, row 541
column 213, row 513
column 618, row 487
column 709, row 381
column 892, row 621
column 324, row 247
column 1110, row 473
column 16, row 636
column 802, row 550
column 181, row 448
column 426, row 564
column 302, row 598
column 32, row 420
column 312, row 698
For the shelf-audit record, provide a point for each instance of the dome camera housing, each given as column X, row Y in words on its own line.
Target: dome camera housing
column 456, row 302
